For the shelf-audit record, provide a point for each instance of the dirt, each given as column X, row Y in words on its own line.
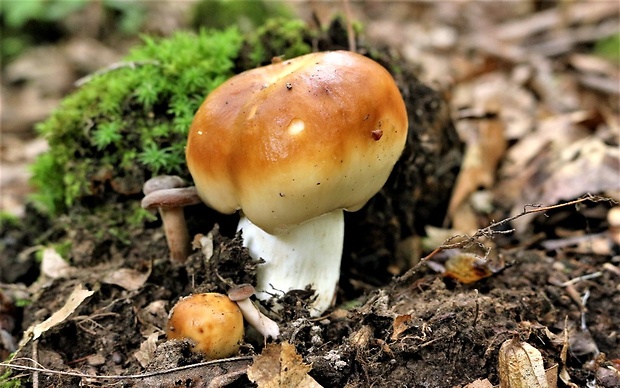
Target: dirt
column 429, row 331
column 388, row 327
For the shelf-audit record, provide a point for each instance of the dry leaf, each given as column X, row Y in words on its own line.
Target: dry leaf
column 279, row 366
column 587, row 166
column 477, row 171
column 467, row 268
column 437, row 236
column 521, row 366
column 564, row 376
column 361, row 338
column 464, row 218
column 551, row 374
column 479, row 384
column 54, row 266
column 129, row 279
column 400, row 325
column 558, row 161
column 147, row 350
column 73, row 302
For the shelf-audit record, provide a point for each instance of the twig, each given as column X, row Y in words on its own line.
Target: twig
column 44, row 370
column 490, row 232
column 580, row 278
column 35, row 356
column 584, row 301
column 584, row 324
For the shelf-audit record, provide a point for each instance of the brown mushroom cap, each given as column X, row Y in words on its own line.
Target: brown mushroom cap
column 171, row 198
column 162, row 182
column 294, row 140
column 241, row 292
column 168, row 192
column 211, row 321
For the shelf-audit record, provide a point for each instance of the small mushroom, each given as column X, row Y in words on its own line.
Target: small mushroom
column 292, row 159
column 169, row 194
column 211, row 321
column 241, row 294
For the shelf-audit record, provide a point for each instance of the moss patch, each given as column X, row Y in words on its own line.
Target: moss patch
column 130, row 122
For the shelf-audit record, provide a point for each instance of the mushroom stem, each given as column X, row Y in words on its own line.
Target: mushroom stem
column 258, row 320
column 166, row 193
column 177, row 235
column 308, row 254
column 241, row 294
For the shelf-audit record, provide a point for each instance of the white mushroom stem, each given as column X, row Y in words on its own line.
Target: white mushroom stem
column 308, row 254
column 258, row 320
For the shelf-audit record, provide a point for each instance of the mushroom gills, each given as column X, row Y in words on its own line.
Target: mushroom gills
column 307, row 254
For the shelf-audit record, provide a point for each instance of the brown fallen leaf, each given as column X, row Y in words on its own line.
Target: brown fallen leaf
column 54, row 266
column 521, row 366
column 400, row 325
column 477, row 171
column 74, row 301
column 279, row 366
column 147, row 350
column 467, row 268
column 479, row 384
column 127, row 278
column 587, row 166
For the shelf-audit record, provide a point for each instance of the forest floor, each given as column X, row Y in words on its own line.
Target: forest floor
column 536, row 259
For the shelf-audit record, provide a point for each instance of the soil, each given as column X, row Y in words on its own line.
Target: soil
column 428, row 331
column 397, row 321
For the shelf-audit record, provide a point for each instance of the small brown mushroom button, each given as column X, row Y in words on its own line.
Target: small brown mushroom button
column 211, row 321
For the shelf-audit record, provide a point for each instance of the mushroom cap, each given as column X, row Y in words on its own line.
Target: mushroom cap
column 168, row 192
column 291, row 141
column 162, row 182
column 171, row 198
column 241, row 292
column 211, row 321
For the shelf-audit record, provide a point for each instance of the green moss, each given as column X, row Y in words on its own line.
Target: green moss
column 137, row 114
column 247, row 14
column 8, row 220
column 129, row 122
column 285, row 38
column 6, row 381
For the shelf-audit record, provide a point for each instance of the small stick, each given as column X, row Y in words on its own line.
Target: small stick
column 117, row 377
column 490, row 232
column 35, row 356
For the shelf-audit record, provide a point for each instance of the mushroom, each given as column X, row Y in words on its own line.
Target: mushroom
column 241, row 294
column 169, row 194
column 211, row 321
column 291, row 145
